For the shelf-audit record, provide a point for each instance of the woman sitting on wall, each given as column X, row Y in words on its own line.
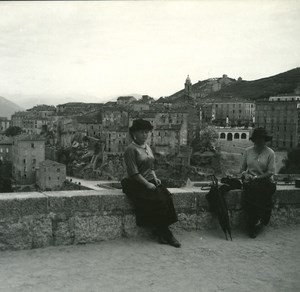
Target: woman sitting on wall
column 258, row 168
column 152, row 201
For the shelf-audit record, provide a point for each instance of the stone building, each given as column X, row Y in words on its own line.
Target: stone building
column 188, row 86
column 4, row 124
column 27, row 152
column 116, row 139
column 201, row 89
column 32, row 122
column 43, row 110
column 6, row 156
column 114, row 116
column 51, row 175
column 6, row 150
column 280, row 117
column 170, row 128
column 233, row 139
column 125, row 100
column 90, row 124
column 77, row 108
column 228, row 112
column 145, row 103
column 18, row 118
column 285, row 98
column 167, row 139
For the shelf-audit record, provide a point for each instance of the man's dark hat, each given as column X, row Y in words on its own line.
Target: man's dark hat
column 140, row 124
column 260, row 132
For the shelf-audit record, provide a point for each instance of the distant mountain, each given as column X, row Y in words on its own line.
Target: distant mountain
column 7, row 108
column 283, row 83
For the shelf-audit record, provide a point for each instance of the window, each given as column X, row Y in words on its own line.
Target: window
column 49, row 178
column 6, row 150
column 243, row 136
column 58, row 170
column 222, row 136
column 32, row 145
column 236, row 136
column 229, row 137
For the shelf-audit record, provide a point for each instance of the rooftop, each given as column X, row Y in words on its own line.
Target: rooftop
column 6, row 141
column 51, row 163
column 126, row 97
column 26, row 137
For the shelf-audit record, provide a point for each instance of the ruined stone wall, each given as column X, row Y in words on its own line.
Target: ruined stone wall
column 32, row 220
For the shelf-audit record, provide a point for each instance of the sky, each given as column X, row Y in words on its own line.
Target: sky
column 55, row 52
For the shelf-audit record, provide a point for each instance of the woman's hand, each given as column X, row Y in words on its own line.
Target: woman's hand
column 158, row 181
column 150, row 186
column 248, row 177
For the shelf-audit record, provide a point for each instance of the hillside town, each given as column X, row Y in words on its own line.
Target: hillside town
column 196, row 132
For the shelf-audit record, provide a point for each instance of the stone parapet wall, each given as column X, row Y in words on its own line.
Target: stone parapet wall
column 32, row 220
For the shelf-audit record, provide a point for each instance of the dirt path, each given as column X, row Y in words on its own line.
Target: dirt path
column 206, row 262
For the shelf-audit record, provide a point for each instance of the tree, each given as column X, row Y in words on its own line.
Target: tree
column 13, row 131
column 292, row 163
column 96, row 148
column 204, row 140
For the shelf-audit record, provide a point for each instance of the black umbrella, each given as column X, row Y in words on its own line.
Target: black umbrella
column 217, row 203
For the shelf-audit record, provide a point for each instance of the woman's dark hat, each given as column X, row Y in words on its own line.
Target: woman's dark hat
column 140, row 124
column 260, row 133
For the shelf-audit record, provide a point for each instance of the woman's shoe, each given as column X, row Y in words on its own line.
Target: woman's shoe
column 173, row 241
column 162, row 240
column 165, row 236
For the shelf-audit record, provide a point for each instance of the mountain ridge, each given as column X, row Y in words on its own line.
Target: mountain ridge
column 7, row 107
column 283, row 83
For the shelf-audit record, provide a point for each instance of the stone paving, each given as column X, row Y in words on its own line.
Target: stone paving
column 206, row 262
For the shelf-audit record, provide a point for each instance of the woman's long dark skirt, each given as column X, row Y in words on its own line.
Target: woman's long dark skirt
column 152, row 207
column 258, row 201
